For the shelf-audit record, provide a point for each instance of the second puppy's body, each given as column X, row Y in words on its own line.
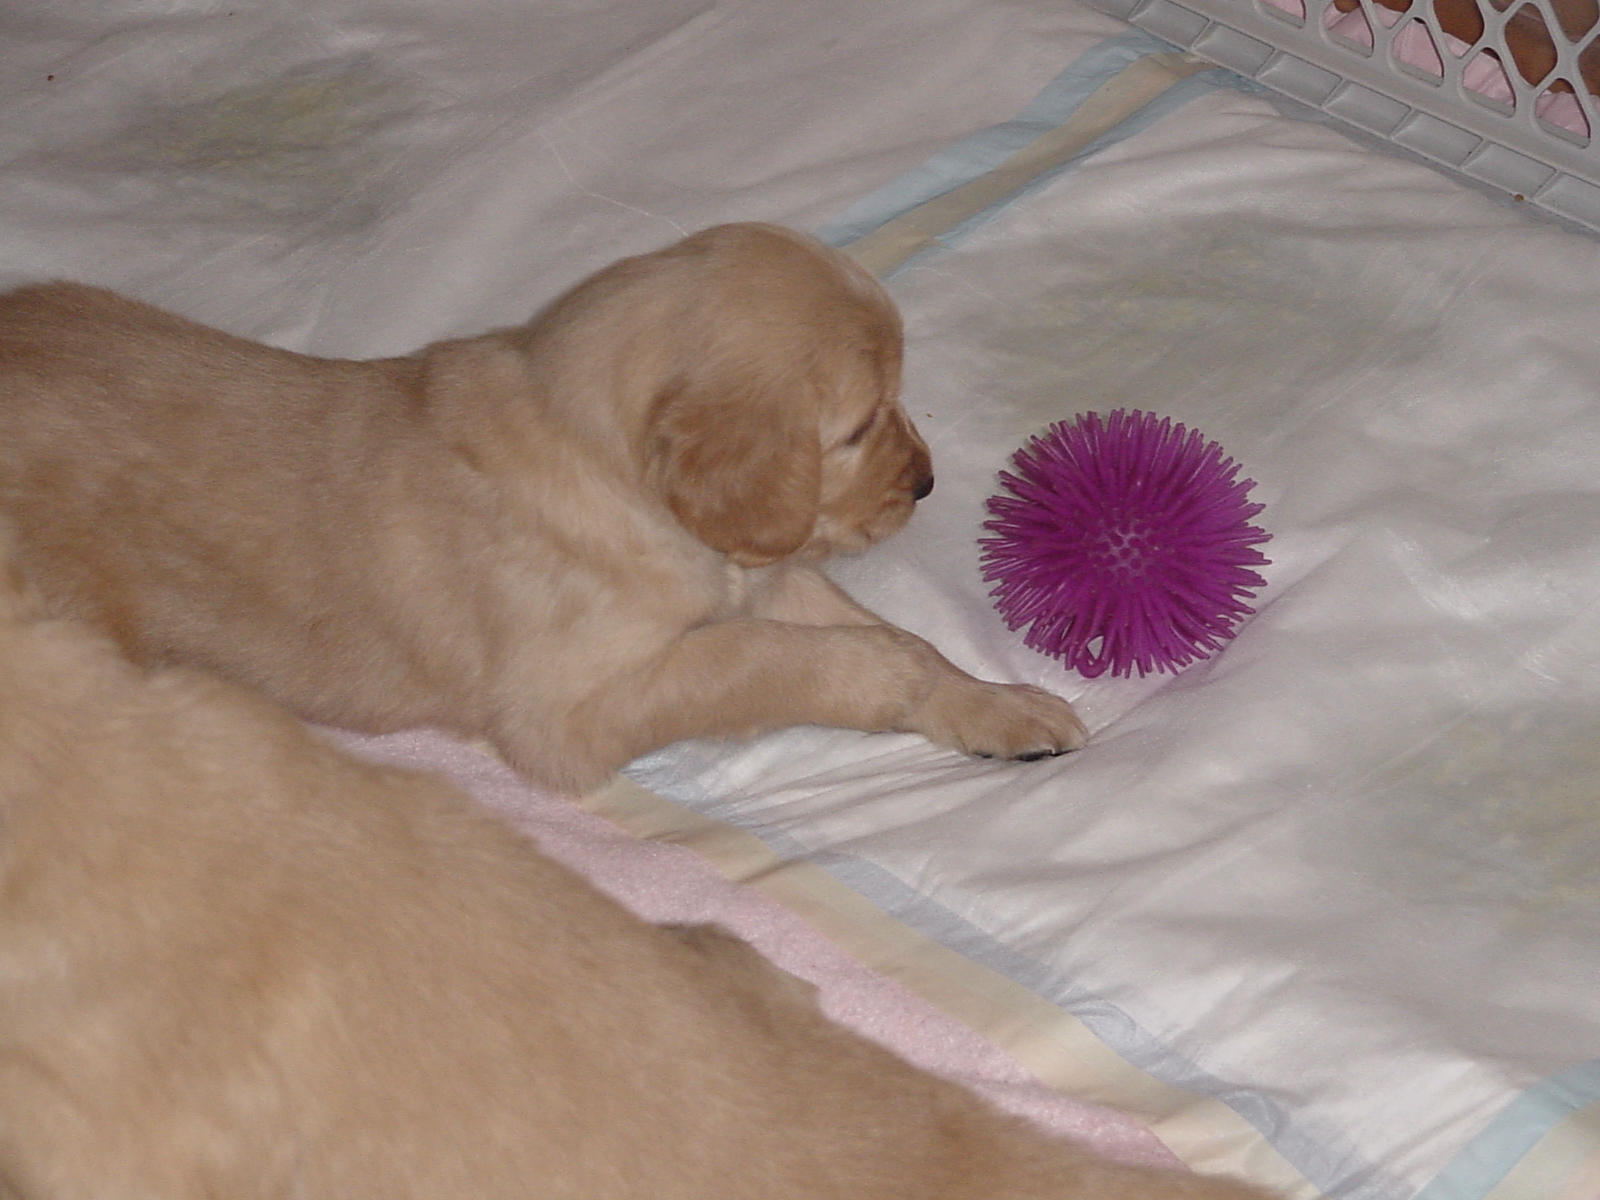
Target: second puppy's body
column 583, row 538
column 237, row 964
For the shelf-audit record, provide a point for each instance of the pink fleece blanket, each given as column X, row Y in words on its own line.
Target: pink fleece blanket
column 664, row 882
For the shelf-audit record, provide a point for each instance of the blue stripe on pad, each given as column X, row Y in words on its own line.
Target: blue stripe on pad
column 979, row 153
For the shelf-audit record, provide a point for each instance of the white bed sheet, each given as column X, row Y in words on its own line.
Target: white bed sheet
column 1342, row 876
column 357, row 177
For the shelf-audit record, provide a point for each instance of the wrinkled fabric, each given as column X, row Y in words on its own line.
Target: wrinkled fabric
column 357, row 177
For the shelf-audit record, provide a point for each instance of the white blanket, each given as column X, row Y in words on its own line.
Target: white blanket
column 1344, row 875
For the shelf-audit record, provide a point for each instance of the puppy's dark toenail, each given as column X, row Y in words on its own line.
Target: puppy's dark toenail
column 1036, row 755
column 924, row 488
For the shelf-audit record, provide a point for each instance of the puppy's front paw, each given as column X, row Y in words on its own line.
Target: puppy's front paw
column 998, row 720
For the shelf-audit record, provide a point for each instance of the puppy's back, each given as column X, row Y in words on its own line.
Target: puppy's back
column 94, row 344
column 212, row 500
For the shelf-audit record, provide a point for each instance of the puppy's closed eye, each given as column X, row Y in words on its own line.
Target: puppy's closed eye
column 861, row 431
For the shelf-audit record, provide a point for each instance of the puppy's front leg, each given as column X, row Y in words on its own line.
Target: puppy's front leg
column 805, row 596
column 742, row 677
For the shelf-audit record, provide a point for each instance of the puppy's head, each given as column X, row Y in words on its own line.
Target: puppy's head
column 772, row 426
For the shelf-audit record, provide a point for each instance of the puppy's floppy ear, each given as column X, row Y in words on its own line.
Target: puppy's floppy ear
column 740, row 465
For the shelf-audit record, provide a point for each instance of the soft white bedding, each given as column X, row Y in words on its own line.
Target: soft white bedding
column 1341, row 878
column 1344, row 874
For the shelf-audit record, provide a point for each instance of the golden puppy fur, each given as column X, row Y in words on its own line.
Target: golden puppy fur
column 236, row 963
column 582, row 538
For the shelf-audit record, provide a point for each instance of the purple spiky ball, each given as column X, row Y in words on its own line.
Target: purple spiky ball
column 1123, row 544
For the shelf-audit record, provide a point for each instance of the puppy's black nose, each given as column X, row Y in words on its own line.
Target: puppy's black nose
column 923, row 489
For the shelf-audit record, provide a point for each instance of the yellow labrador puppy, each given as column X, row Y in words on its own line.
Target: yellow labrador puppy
column 236, row 963
column 582, row 538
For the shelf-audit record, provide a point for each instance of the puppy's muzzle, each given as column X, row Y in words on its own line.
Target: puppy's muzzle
column 923, row 487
